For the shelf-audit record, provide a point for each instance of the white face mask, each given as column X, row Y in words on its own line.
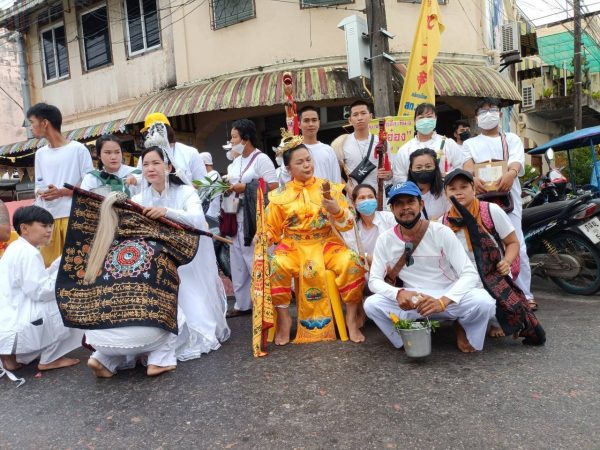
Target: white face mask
column 488, row 120
column 238, row 148
column 231, row 155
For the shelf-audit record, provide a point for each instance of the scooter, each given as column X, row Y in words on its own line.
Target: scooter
column 553, row 186
column 563, row 243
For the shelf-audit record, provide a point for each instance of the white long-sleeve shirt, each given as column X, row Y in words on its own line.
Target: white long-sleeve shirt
column 440, row 264
column 451, row 156
column 26, row 296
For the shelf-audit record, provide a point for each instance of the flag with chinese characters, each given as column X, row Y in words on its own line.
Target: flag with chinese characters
column 418, row 82
column 260, row 289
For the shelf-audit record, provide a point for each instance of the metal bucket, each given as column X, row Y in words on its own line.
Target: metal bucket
column 417, row 341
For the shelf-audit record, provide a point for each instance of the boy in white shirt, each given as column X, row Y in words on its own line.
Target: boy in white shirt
column 489, row 146
column 59, row 162
column 31, row 325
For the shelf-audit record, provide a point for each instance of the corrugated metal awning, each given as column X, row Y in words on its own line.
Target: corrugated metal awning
column 74, row 135
column 454, row 80
column 264, row 89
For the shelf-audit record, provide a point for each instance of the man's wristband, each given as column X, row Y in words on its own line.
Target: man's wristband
column 516, row 171
column 443, row 305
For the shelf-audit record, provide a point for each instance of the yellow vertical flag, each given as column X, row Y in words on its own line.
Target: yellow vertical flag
column 418, row 82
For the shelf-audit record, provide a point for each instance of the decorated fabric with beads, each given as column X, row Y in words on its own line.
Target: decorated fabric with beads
column 138, row 283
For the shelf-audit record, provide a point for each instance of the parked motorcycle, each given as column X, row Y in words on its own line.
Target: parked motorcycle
column 553, row 186
column 563, row 243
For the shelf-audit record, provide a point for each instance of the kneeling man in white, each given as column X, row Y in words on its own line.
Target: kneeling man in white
column 439, row 280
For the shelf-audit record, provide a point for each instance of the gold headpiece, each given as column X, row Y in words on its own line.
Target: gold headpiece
column 288, row 141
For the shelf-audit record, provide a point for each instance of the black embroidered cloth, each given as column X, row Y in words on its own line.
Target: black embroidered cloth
column 138, row 283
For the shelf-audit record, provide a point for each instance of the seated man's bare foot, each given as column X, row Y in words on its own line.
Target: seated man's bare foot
column 352, row 322
column 59, row 363
column 461, row 339
column 284, row 326
column 9, row 362
column 154, row 371
column 98, row 368
column 495, row 331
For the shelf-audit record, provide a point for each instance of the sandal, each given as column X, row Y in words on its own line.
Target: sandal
column 533, row 305
column 237, row 312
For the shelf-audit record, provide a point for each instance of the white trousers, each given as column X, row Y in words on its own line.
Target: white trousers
column 523, row 281
column 159, row 353
column 473, row 313
column 70, row 341
column 241, row 259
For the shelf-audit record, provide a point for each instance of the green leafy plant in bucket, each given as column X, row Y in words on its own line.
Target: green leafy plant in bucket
column 410, row 324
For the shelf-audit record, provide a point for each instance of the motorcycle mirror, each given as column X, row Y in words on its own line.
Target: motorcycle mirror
column 550, row 155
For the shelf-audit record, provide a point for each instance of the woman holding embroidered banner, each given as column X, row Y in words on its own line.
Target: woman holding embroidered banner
column 112, row 175
column 201, row 299
column 304, row 219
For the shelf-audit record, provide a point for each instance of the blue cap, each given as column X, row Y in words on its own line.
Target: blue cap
column 406, row 188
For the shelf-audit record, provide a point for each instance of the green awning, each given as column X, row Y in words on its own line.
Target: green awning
column 557, row 49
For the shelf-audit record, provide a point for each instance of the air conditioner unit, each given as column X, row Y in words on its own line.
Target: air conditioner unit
column 528, row 94
column 511, row 38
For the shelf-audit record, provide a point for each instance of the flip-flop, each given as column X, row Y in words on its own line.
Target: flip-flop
column 533, row 305
column 237, row 313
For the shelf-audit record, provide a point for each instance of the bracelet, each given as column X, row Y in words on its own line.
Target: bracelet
column 442, row 305
column 516, row 171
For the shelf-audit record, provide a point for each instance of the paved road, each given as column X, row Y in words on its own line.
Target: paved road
column 333, row 395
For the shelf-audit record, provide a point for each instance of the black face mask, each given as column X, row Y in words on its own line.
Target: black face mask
column 464, row 135
column 423, row 177
column 409, row 225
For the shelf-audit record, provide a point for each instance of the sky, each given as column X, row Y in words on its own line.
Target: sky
column 542, row 12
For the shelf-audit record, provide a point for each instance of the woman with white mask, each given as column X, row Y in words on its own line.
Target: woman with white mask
column 448, row 152
column 243, row 174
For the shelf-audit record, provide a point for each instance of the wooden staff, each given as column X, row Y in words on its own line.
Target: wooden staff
column 128, row 204
column 381, row 151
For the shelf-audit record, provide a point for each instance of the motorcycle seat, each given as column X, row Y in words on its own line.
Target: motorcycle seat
column 546, row 212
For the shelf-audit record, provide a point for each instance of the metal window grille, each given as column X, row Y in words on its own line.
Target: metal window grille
column 528, row 94
column 317, row 3
column 229, row 12
column 95, row 41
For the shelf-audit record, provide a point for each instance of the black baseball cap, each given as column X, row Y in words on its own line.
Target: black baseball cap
column 457, row 173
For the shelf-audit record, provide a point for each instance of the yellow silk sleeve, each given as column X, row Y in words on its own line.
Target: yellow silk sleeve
column 344, row 220
column 274, row 221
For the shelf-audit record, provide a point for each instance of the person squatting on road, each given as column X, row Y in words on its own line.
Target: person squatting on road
column 439, row 280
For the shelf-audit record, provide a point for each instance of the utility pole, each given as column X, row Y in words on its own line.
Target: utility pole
column 577, row 65
column 381, row 69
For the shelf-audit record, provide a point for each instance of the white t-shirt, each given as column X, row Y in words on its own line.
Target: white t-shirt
column 435, row 206
column 383, row 220
column 483, row 148
column 354, row 153
column 450, row 156
column 57, row 166
column 325, row 163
